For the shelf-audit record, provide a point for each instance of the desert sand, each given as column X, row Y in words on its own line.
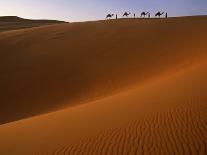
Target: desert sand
column 8, row 23
column 106, row 87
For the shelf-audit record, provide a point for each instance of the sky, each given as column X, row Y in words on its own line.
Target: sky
column 85, row 10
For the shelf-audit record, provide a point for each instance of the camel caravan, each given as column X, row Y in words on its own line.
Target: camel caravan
column 143, row 15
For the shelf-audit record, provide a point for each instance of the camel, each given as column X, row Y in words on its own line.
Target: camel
column 126, row 14
column 109, row 16
column 144, row 14
column 159, row 14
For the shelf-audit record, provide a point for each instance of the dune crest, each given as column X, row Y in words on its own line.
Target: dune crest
column 106, row 87
column 8, row 23
column 49, row 68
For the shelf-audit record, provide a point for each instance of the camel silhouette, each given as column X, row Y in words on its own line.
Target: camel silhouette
column 109, row 16
column 126, row 14
column 143, row 14
column 159, row 14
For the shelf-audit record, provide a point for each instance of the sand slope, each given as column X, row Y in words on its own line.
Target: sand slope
column 49, row 68
column 132, row 87
column 8, row 23
column 166, row 116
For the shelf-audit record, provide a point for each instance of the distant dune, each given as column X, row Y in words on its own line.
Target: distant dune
column 121, row 87
column 14, row 23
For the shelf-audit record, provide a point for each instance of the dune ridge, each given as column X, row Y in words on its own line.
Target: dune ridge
column 141, row 84
column 8, row 23
column 80, row 62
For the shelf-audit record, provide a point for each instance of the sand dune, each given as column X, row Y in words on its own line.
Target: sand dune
column 49, row 68
column 8, row 23
column 124, row 87
column 165, row 116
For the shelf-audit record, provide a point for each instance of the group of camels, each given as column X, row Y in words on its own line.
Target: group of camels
column 143, row 15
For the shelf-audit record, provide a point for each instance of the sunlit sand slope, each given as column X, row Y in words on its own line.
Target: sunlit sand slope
column 165, row 116
column 50, row 68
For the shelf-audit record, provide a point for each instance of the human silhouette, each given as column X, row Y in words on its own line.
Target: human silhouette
column 149, row 15
column 109, row 16
column 143, row 14
column 126, row 14
column 166, row 15
column 159, row 14
column 116, row 16
column 134, row 15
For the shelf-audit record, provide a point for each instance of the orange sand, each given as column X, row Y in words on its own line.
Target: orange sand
column 8, row 23
column 124, row 87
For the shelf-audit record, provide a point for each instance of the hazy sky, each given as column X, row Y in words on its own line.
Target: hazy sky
column 81, row 10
